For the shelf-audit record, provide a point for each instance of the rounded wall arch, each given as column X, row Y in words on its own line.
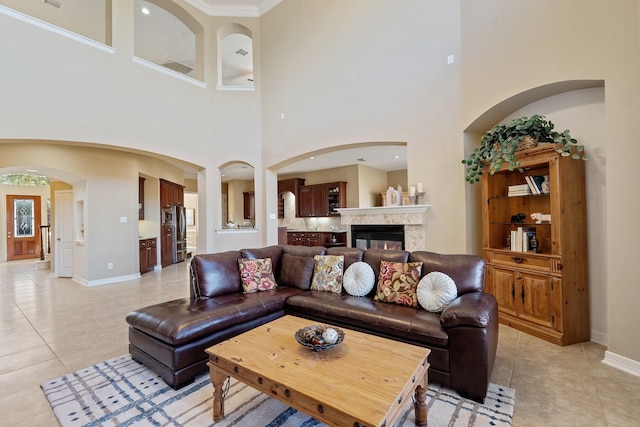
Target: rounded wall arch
column 580, row 107
column 193, row 25
column 235, row 56
column 489, row 118
column 237, row 203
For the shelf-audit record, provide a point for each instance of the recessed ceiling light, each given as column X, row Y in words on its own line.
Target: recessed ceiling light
column 32, row 170
column 396, row 157
column 145, row 10
column 312, row 158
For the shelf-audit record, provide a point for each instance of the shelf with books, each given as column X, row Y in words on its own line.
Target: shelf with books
column 545, row 292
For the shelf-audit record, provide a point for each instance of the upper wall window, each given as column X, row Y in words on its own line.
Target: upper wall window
column 235, row 57
column 160, row 37
column 86, row 18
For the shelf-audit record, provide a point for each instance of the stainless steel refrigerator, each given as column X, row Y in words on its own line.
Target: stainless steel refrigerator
column 179, row 234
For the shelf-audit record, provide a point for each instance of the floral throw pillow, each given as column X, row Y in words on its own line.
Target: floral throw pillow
column 256, row 275
column 327, row 273
column 398, row 281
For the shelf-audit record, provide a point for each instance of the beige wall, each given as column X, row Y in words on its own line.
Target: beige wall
column 553, row 48
column 362, row 71
column 347, row 72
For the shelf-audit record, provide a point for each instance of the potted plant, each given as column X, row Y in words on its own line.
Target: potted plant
column 499, row 145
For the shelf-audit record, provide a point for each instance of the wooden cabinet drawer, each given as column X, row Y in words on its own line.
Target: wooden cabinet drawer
column 524, row 260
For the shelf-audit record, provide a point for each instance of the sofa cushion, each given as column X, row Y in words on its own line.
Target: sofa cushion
column 309, row 251
column 359, row 279
column 215, row 274
column 274, row 252
column 181, row 321
column 374, row 256
column 350, row 255
column 327, row 273
column 256, row 274
column 296, row 271
column 393, row 320
column 435, row 291
column 467, row 271
column 398, row 281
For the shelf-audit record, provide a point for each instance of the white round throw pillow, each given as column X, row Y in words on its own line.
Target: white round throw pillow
column 435, row 291
column 359, row 279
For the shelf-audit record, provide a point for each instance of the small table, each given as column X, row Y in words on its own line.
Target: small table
column 364, row 381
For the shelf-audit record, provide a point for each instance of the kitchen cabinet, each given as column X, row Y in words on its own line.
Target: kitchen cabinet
column 317, row 238
column 148, row 255
column 293, row 185
column 249, row 205
column 543, row 290
column 141, row 181
column 171, row 194
column 166, row 242
column 322, row 200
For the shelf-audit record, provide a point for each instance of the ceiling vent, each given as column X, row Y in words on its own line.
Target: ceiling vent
column 242, row 52
column 53, row 3
column 177, row 67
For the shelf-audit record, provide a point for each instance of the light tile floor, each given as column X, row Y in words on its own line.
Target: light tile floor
column 50, row 327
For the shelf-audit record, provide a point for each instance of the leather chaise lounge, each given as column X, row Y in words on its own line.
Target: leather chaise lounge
column 170, row 338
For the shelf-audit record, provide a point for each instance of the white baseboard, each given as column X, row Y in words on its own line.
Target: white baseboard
column 108, row 280
column 625, row 364
column 599, row 337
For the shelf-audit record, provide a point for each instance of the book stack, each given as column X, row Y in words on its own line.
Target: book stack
column 535, row 183
column 524, row 240
column 519, row 190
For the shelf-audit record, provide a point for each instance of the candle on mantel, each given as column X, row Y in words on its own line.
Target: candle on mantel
column 419, row 185
column 412, row 191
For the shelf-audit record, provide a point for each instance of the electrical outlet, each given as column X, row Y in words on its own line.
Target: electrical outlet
column 110, row 266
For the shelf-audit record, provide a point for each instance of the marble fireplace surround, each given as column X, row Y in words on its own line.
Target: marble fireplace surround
column 413, row 217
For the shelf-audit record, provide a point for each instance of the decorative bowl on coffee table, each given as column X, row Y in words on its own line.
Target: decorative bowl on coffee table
column 319, row 337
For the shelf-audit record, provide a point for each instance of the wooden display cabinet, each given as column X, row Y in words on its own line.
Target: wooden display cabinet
column 544, row 293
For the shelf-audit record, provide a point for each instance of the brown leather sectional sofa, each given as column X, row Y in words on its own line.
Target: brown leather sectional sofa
column 170, row 337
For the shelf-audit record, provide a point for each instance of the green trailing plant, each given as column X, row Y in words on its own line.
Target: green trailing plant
column 499, row 145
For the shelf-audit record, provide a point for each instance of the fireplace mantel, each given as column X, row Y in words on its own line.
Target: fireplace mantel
column 406, row 214
column 413, row 217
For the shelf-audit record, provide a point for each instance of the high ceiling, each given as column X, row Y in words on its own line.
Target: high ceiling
column 234, row 7
column 160, row 40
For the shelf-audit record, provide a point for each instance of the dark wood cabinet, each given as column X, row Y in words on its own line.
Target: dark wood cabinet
column 249, row 205
column 293, row 185
column 148, row 255
column 321, row 200
column 171, row 194
column 141, row 181
column 316, row 238
column 166, row 242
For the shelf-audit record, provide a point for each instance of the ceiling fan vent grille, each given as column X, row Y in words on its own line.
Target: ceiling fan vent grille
column 178, row 67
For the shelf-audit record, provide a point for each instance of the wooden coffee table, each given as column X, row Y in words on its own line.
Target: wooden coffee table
column 364, row 381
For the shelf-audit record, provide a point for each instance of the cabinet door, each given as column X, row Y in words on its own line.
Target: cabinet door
column 144, row 262
column 536, row 298
column 502, row 284
column 167, row 246
column 152, row 252
column 249, row 205
column 305, row 202
column 319, row 200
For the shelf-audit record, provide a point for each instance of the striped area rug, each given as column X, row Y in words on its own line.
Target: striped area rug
column 122, row 392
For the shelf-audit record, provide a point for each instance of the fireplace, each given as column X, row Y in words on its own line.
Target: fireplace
column 371, row 236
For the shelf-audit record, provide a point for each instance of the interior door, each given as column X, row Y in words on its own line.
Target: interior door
column 23, row 227
column 64, row 233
